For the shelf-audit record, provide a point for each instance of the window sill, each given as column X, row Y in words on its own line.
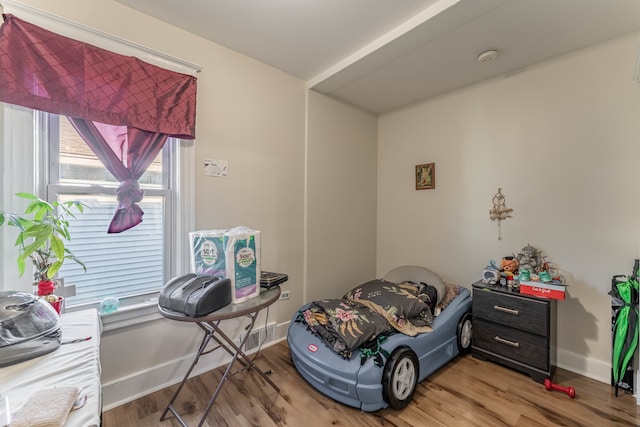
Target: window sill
column 133, row 310
column 130, row 315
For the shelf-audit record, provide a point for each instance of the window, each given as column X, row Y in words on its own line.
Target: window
column 34, row 159
column 128, row 265
column 132, row 265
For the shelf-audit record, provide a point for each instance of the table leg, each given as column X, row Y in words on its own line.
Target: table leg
column 203, row 344
column 213, row 332
column 241, row 356
column 237, row 355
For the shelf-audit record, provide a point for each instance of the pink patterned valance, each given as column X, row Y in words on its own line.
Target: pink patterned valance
column 49, row 72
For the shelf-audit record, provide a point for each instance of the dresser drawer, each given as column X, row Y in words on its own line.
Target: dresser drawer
column 514, row 344
column 514, row 311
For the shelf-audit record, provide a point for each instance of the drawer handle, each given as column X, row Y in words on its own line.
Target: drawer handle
column 506, row 310
column 507, row 342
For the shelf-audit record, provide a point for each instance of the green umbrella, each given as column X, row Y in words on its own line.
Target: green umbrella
column 625, row 338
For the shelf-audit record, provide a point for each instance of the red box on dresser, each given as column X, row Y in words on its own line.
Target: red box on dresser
column 553, row 290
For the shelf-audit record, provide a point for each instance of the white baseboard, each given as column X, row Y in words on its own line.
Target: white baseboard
column 142, row 383
column 590, row 368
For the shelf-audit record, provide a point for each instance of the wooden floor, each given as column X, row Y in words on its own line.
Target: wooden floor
column 466, row 392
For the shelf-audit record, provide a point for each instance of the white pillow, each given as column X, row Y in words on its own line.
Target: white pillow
column 417, row 274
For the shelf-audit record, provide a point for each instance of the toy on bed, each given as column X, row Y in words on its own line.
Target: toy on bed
column 370, row 348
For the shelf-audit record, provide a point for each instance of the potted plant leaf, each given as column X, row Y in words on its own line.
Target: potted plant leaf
column 43, row 229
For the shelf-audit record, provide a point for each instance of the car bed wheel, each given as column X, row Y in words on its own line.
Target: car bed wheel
column 464, row 334
column 400, row 378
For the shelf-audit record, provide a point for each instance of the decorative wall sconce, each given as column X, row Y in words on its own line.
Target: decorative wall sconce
column 500, row 211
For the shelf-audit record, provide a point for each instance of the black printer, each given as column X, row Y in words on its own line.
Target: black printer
column 195, row 295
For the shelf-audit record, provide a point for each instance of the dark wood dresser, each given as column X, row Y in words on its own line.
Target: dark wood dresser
column 515, row 330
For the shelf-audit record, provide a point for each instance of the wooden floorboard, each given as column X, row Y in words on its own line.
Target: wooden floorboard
column 465, row 392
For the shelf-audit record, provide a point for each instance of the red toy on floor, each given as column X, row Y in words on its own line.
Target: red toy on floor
column 551, row 386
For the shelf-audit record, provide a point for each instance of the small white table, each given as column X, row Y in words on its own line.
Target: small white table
column 76, row 364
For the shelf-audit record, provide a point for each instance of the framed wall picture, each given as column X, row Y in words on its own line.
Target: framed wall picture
column 426, row 176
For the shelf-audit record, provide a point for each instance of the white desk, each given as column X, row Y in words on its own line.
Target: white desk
column 71, row 365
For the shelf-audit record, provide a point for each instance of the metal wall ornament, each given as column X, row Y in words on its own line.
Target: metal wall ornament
column 499, row 212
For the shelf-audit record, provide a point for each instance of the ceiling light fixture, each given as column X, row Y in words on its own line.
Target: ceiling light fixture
column 487, row 56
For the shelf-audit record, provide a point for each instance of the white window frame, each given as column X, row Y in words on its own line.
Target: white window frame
column 17, row 147
column 26, row 165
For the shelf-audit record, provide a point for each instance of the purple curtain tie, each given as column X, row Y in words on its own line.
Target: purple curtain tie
column 128, row 193
column 128, row 214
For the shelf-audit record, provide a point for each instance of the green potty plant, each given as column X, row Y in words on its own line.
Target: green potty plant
column 43, row 231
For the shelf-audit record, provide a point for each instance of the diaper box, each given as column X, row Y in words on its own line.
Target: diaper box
column 242, row 256
column 231, row 253
column 207, row 253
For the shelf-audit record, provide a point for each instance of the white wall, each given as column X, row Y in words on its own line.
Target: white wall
column 562, row 140
column 341, row 205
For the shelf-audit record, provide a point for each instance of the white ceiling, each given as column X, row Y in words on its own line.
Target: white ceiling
column 384, row 54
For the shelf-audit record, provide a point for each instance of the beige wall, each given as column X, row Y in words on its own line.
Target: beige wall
column 341, row 205
column 562, row 140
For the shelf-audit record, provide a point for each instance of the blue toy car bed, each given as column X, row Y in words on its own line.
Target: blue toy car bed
column 384, row 370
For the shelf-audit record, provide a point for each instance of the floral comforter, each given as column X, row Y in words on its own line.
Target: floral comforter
column 369, row 312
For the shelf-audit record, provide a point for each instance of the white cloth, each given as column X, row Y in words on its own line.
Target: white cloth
column 71, row 365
